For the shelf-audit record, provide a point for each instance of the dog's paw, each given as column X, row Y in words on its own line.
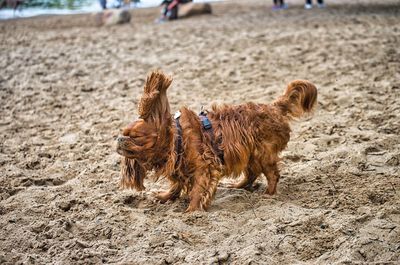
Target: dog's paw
column 231, row 185
column 162, row 196
column 249, row 187
column 192, row 209
column 234, row 186
column 269, row 194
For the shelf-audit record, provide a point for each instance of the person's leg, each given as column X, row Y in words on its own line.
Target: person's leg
column 173, row 13
column 278, row 4
column 173, row 9
column 308, row 4
column 103, row 4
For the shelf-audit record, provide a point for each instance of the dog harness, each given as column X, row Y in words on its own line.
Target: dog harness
column 207, row 127
column 179, row 138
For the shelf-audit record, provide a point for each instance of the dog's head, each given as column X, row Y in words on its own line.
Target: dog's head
column 137, row 140
column 143, row 142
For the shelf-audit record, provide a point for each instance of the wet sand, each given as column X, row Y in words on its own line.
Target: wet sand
column 68, row 87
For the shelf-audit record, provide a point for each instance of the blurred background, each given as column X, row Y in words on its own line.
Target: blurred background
column 31, row 8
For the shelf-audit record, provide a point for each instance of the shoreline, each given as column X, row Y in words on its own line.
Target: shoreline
column 94, row 8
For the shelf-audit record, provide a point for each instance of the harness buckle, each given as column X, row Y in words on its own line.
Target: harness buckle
column 204, row 119
column 177, row 115
column 206, row 122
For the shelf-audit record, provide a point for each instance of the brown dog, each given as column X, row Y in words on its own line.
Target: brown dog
column 195, row 151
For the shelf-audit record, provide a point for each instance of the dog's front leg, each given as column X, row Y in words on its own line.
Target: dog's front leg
column 204, row 188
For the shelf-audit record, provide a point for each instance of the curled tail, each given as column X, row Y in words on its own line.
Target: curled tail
column 300, row 97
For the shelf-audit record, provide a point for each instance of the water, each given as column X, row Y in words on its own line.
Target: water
column 63, row 7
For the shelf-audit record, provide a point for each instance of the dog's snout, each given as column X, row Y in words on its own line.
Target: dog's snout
column 120, row 139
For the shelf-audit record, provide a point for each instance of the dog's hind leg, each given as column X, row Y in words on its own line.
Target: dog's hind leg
column 272, row 174
column 250, row 175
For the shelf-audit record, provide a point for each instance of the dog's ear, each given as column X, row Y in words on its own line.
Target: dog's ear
column 154, row 106
column 133, row 174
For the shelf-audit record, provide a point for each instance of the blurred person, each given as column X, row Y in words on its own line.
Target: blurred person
column 103, row 4
column 124, row 3
column 279, row 4
column 309, row 4
column 135, row 2
column 14, row 4
column 170, row 9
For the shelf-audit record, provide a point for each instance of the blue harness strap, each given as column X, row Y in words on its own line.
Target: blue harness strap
column 209, row 130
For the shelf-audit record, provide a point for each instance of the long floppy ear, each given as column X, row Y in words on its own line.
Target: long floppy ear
column 154, row 106
column 133, row 174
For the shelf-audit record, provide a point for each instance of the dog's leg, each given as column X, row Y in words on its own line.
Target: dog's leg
column 173, row 193
column 272, row 174
column 203, row 189
column 247, row 181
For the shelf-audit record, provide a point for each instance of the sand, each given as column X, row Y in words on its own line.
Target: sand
column 68, row 87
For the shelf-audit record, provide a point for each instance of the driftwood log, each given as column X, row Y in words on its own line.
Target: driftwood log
column 193, row 9
column 112, row 17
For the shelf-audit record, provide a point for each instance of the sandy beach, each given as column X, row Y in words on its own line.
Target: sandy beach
column 67, row 88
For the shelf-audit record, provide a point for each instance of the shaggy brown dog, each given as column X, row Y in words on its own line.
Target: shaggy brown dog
column 194, row 157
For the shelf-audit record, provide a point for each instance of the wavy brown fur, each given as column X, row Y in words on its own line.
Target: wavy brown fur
column 300, row 97
column 131, row 172
column 250, row 135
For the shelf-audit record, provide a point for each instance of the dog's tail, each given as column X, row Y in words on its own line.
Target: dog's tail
column 300, row 97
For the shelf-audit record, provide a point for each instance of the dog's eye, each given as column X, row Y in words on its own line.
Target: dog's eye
column 135, row 134
column 125, row 132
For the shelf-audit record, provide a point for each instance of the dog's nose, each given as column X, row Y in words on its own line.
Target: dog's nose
column 120, row 139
